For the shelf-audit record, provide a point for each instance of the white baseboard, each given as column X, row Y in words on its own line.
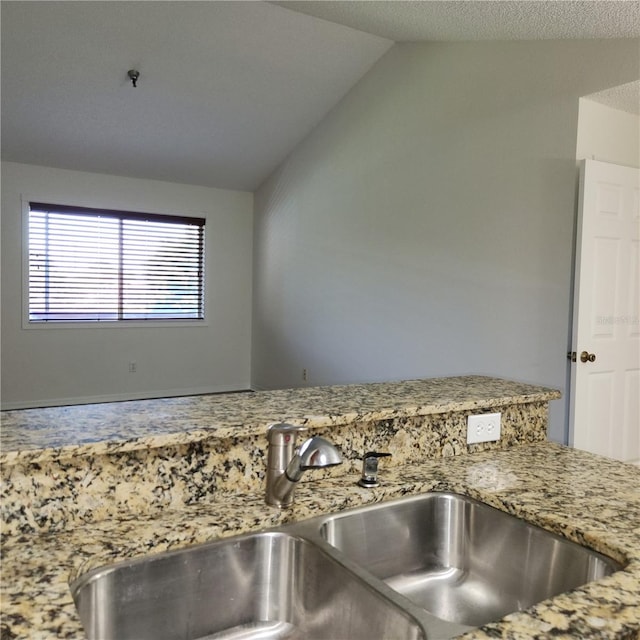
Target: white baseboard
column 120, row 397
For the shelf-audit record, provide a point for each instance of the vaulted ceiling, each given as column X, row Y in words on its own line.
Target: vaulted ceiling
column 226, row 89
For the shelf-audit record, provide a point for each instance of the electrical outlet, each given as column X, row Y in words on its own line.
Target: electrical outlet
column 304, row 375
column 483, row 428
column 133, row 367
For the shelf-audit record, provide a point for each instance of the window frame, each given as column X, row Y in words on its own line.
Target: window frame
column 108, row 324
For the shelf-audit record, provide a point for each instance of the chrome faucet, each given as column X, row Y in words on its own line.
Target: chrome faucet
column 286, row 463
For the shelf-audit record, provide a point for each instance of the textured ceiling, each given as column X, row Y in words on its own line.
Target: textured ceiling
column 626, row 97
column 420, row 20
column 227, row 89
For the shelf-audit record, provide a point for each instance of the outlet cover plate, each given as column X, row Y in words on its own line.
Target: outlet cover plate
column 483, row 428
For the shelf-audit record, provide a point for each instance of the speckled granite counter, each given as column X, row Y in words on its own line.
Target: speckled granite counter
column 588, row 499
column 68, row 466
column 86, row 486
column 86, row 430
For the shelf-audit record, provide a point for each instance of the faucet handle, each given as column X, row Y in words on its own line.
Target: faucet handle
column 284, row 434
column 369, row 476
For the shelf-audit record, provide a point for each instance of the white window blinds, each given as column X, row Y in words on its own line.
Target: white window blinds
column 102, row 265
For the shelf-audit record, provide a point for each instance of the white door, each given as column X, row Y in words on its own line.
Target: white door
column 605, row 377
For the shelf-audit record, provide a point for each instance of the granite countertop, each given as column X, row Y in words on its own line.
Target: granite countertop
column 588, row 499
column 32, row 435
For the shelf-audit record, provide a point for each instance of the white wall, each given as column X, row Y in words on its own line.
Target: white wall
column 47, row 366
column 425, row 227
column 607, row 134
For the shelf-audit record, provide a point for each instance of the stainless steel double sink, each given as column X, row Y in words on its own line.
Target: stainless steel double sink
column 423, row 567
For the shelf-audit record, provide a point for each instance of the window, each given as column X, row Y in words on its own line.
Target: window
column 101, row 265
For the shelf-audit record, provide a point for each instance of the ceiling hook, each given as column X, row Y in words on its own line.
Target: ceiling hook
column 133, row 76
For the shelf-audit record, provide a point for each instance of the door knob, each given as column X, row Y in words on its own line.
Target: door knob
column 585, row 356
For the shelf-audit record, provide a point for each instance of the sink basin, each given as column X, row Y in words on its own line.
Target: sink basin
column 461, row 560
column 430, row 566
column 264, row 585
